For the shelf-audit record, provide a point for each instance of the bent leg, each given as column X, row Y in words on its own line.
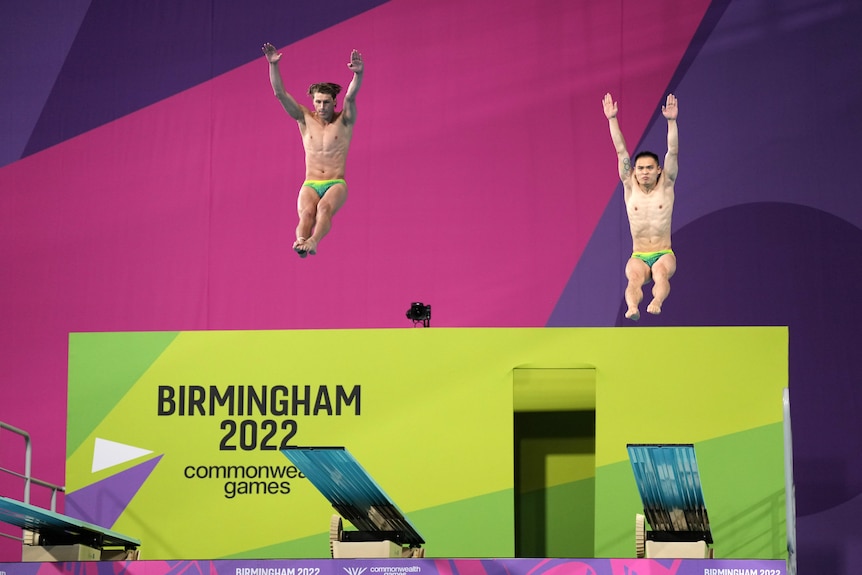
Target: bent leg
column 306, row 207
column 638, row 273
column 662, row 270
column 327, row 207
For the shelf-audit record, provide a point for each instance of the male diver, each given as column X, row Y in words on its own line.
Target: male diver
column 326, row 136
column 649, row 194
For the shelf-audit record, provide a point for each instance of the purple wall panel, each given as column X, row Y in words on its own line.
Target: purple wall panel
column 127, row 56
column 767, row 230
column 35, row 38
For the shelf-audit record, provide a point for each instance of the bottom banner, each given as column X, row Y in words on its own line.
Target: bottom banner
column 409, row 567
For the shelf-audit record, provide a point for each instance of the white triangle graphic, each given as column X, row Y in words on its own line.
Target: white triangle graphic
column 109, row 453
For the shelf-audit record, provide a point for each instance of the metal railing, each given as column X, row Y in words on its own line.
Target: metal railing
column 27, row 476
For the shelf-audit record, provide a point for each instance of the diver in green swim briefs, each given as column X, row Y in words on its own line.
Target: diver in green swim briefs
column 320, row 186
column 648, row 190
column 326, row 136
column 651, row 257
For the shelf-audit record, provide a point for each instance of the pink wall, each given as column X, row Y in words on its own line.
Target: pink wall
column 480, row 166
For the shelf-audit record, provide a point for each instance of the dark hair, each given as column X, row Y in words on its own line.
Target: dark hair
column 324, row 88
column 646, row 154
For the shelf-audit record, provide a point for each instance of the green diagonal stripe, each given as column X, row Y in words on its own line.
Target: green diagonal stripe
column 102, row 368
column 463, row 519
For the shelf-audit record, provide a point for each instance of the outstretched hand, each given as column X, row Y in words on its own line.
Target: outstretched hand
column 356, row 64
column 271, row 54
column 670, row 110
column 610, row 106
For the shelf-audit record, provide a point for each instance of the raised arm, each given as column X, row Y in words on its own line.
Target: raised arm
column 624, row 161
column 358, row 67
column 670, row 111
column 287, row 101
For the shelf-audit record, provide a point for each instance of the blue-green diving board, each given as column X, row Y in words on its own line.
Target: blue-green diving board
column 58, row 529
column 354, row 495
column 668, row 481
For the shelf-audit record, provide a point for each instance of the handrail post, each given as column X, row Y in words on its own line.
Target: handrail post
column 28, row 456
column 28, row 478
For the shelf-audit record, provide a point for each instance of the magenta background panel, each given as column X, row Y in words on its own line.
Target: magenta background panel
column 148, row 181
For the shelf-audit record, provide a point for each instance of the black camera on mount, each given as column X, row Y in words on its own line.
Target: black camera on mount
column 419, row 312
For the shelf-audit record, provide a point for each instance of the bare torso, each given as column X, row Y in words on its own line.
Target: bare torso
column 649, row 215
column 326, row 146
